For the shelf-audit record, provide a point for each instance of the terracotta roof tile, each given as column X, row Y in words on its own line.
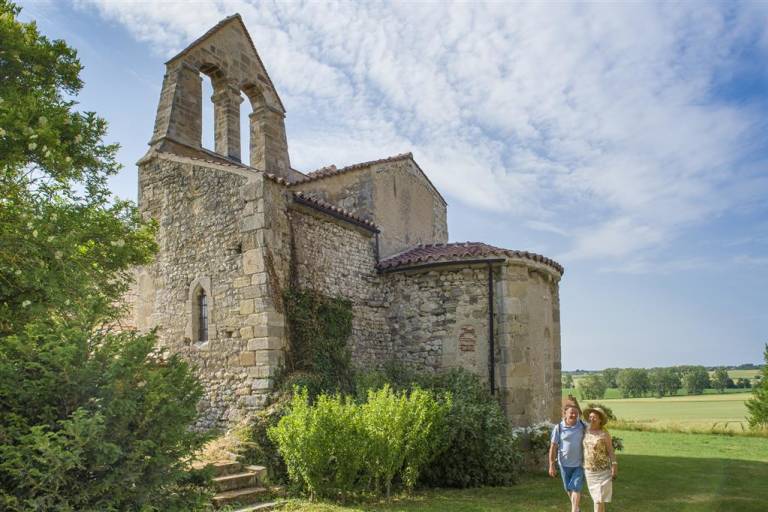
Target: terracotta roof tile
column 334, row 210
column 433, row 253
column 331, row 170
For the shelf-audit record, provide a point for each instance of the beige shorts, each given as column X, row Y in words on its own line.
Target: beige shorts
column 600, row 485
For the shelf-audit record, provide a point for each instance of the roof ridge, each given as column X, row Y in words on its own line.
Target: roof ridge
column 332, row 170
column 458, row 252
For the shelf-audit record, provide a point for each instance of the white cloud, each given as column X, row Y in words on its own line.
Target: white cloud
column 594, row 118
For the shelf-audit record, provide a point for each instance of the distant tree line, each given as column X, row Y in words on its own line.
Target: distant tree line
column 660, row 382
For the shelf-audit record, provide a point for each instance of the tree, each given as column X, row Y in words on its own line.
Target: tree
column 633, row 382
column 758, row 404
column 696, row 380
column 743, row 383
column 90, row 418
column 720, row 379
column 610, row 374
column 591, row 387
column 567, row 380
column 664, row 381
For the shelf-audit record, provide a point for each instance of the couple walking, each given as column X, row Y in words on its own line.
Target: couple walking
column 582, row 450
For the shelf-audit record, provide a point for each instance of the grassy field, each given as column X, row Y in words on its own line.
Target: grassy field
column 615, row 394
column 657, row 471
column 701, row 412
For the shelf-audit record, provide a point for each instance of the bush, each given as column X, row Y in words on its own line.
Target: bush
column 478, row 447
column 339, row 449
column 95, row 422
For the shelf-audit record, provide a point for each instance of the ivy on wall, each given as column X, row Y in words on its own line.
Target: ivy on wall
column 318, row 329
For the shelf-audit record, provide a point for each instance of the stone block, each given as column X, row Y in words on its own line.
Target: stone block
column 261, row 384
column 251, row 222
column 262, row 371
column 246, row 306
column 247, row 358
column 246, row 332
column 269, row 357
column 253, row 262
column 267, row 343
column 252, row 190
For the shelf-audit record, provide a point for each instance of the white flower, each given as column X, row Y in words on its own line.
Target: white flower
column 32, row 146
column 26, row 303
column 58, row 255
column 34, row 233
column 2, row 132
column 43, row 120
column 18, row 272
column 118, row 243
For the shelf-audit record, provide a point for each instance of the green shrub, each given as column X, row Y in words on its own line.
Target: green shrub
column 402, row 432
column 336, row 448
column 93, row 422
column 478, row 448
column 322, row 445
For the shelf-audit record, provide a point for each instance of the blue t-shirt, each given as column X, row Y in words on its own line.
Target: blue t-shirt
column 570, row 453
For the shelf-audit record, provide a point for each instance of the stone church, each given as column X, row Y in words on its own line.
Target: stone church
column 232, row 237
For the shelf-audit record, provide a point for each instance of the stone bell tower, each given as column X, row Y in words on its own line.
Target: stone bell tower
column 227, row 55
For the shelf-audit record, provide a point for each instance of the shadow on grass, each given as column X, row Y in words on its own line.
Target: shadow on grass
column 645, row 484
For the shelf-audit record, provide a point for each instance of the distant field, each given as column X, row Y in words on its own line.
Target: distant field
column 742, row 374
column 726, row 411
column 614, row 393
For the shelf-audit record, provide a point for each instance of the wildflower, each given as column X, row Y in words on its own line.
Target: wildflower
column 26, row 303
column 58, row 255
column 32, row 146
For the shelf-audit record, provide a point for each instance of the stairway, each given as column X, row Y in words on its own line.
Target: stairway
column 243, row 487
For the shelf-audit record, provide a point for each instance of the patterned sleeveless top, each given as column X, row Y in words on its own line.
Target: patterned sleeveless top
column 595, row 451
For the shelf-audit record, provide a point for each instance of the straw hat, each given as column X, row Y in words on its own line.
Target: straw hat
column 571, row 401
column 599, row 412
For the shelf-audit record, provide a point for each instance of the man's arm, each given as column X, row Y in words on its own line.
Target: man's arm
column 552, row 458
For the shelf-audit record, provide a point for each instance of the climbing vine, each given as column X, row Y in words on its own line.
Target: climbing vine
column 319, row 328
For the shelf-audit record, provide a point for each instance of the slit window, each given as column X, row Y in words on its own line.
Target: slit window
column 202, row 306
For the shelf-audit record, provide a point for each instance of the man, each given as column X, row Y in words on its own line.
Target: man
column 566, row 448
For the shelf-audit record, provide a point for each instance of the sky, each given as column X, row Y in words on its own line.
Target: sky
column 625, row 140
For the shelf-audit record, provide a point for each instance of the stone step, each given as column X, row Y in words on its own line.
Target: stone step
column 226, row 467
column 259, row 507
column 236, row 481
column 245, row 496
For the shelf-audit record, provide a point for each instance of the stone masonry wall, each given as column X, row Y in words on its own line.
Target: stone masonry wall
column 439, row 318
column 528, row 333
column 338, row 259
column 211, row 226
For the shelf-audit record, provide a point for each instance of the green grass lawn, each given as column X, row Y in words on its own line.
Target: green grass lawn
column 657, row 472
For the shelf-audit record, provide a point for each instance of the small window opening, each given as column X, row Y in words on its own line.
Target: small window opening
column 202, row 304
column 245, row 129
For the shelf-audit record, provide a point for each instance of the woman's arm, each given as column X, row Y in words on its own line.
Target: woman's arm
column 611, row 455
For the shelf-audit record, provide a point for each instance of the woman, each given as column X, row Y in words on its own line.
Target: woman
column 566, row 449
column 600, row 466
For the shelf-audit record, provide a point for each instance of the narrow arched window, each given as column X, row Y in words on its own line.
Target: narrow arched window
column 202, row 307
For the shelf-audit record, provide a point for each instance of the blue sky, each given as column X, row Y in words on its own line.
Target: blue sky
column 625, row 140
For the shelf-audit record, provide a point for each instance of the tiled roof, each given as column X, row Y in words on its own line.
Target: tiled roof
column 334, row 210
column 331, row 170
column 216, row 27
column 434, row 253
